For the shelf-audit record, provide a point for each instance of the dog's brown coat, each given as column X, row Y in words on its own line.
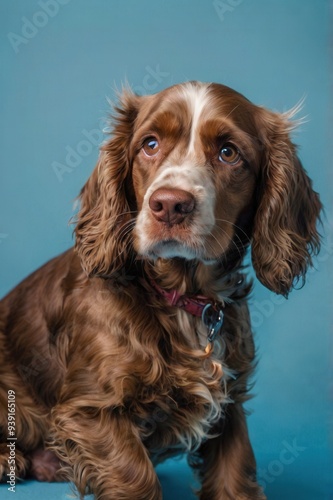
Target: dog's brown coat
column 108, row 375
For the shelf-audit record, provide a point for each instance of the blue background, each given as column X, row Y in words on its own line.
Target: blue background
column 54, row 84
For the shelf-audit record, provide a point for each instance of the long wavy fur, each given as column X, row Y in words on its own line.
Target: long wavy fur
column 111, row 378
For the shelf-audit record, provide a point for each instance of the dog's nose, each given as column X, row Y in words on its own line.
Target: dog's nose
column 171, row 205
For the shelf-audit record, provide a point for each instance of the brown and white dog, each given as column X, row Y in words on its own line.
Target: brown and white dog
column 136, row 345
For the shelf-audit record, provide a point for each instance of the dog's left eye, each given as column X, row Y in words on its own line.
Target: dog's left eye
column 229, row 154
column 151, row 146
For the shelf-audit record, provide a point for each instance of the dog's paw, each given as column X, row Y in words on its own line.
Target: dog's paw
column 45, row 466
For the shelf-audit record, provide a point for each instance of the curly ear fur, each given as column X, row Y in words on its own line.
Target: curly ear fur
column 285, row 235
column 104, row 221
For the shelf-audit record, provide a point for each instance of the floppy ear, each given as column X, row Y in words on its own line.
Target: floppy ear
column 104, row 222
column 285, row 234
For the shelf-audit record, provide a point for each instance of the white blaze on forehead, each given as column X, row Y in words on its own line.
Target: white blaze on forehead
column 188, row 173
column 197, row 98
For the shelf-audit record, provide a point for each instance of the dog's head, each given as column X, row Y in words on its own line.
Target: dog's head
column 197, row 172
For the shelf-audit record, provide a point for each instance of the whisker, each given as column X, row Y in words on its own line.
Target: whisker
column 117, row 216
column 125, row 229
column 237, row 227
column 218, row 242
column 233, row 109
column 232, row 241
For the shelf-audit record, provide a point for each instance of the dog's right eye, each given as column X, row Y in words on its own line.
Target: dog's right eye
column 229, row 154
column 151, row 146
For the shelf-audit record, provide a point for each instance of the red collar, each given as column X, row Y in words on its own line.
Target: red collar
column 211, row 312
column 193, row 305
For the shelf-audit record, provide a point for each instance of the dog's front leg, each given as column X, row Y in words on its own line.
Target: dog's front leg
column 226, row 464
column 104, row 453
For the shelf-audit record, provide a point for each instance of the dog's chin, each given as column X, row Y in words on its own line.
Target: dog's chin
column 172, row 249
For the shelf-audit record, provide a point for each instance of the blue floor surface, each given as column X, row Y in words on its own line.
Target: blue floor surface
column 303, row 479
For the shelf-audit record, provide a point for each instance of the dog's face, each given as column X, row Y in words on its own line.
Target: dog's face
column 195, row 167
column 195, row 172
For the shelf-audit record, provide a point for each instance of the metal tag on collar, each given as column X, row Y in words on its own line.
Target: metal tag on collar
column 212, row 317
